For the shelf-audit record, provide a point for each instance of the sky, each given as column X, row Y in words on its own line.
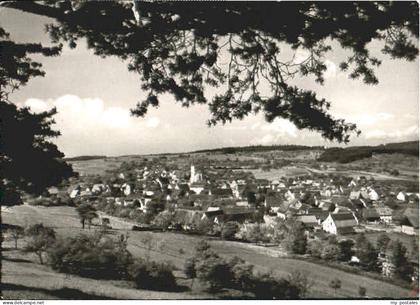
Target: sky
column 93, row 97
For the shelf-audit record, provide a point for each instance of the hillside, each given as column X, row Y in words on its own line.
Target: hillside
column 258, row 148
column 333, row 154
column 350, row 154
column 84, row 158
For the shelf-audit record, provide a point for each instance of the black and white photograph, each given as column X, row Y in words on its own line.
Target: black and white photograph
column 209, row 150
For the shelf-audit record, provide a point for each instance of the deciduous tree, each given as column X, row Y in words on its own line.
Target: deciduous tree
column 41, row 238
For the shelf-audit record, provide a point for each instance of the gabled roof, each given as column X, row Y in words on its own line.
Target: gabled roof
column 309, row 220
column 235, row 210
column 412, row 216
column 221, row 192
column 318, row 213
column 274, row 200
column 371, row 213
column 384, row 211
column 342, row 220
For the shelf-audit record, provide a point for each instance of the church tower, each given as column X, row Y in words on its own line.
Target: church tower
column 192, row 174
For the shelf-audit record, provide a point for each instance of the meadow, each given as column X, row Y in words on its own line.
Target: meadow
column 19, row 270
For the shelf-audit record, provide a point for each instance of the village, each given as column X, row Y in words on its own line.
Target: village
column 335, row 215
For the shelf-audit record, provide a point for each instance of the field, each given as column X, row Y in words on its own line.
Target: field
column 286, row 171
column 19, row 269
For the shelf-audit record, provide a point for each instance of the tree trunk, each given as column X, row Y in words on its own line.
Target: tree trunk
column 83, row 223
column 40, row 258
column 16, row 242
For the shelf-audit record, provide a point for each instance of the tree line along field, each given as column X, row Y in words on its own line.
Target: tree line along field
column 166, row 246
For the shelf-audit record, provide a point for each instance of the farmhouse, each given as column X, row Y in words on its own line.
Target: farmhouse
column 342, row 223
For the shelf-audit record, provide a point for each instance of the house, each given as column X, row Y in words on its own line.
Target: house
column 319, row 214
column 401, row 196
column 221, row 193
column 354, row 195
column 277, row 206
column 326, row 193
column 342, row 223
column 127, row 189
column 74, row 191
column 53, row 191
column 325, row 205
column 309, row 221
column 371, row 215
column 410, row 222
column 98, row 188
column 242, row 203
column 289, row 195
column 235, row 189
column 359, row 203
column 239, row 214
column 212, row 213
column 197, row 188
column 385, row 214
column 373, row 195
column 273, row 200
column 352, row 183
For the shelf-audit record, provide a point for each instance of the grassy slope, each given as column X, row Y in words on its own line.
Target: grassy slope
column 166, row 247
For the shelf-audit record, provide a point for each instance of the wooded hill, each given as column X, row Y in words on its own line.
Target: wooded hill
column 350, row 154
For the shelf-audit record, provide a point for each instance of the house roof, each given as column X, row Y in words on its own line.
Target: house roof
column 342, row 220
column 307, row 220
column 318, row 213
column 274, row 200
column 235, row 210
column 371, row 213
column 384, row 211
column 358, row 203
column 412, row 216
column 355, row 194
column 221, row 192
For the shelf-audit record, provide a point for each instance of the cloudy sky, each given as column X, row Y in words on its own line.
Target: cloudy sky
column 93, row 97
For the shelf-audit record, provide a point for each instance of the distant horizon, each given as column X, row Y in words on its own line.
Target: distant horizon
column 224, row 147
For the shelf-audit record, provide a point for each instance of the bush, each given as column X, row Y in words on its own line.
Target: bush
column 267, row 287
column 40, row 240
column 315, row 248
column 164, row 219
column 229, row 230
column 124, row 213
column 205, row 227
column 330, row 252
column 94, row 256
column 296, row 241
column 214, row 271
column 152, row 275
column 256, row 232
column 237, row 274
